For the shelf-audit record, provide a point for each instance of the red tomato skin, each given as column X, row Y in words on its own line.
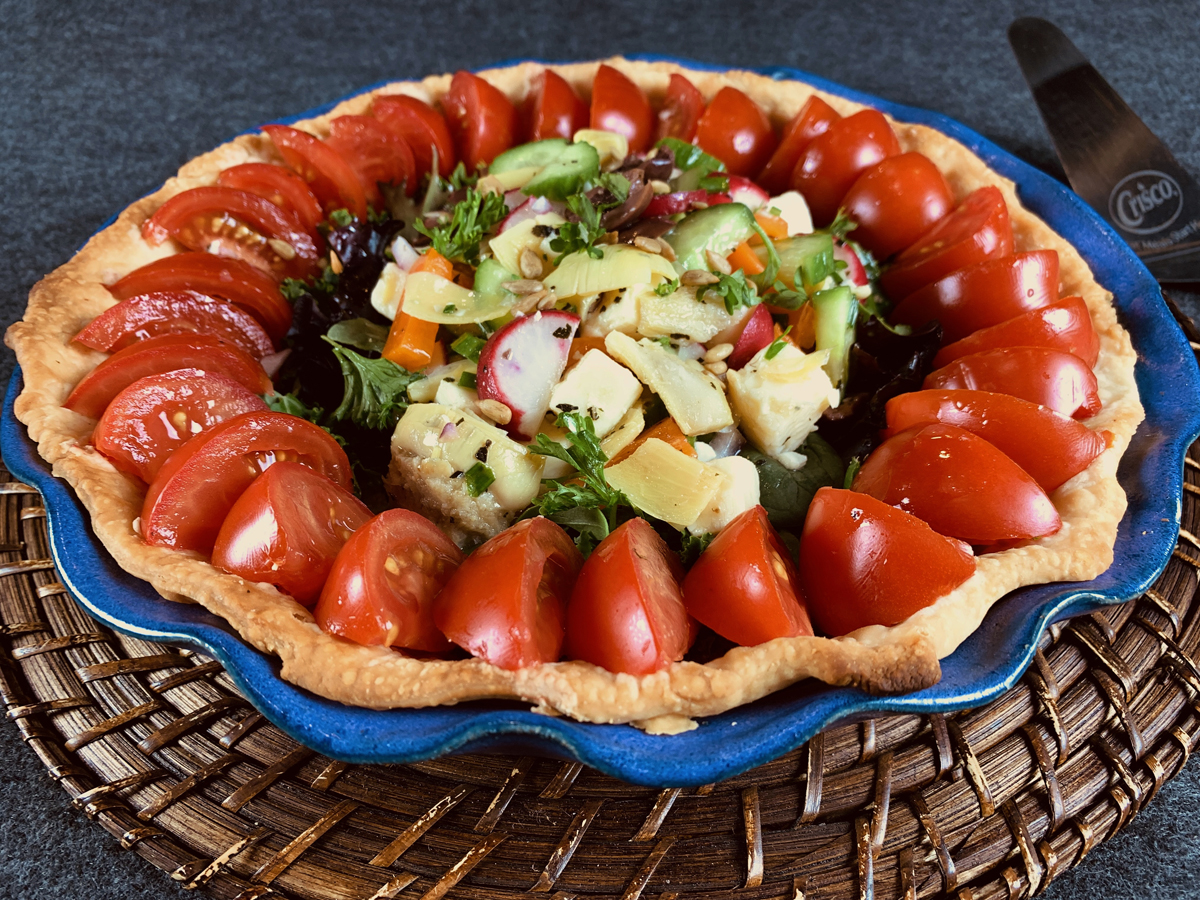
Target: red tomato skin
column 736, row 131
column 1063, row 325
column 757, row 333
column 198, row 485
column 176, row 312
column 833, row 160
column 863, row 562
column 166, row 353
column 285, row 189
column 323, row 169
column 364, row 601
column 552, row 109
column 977, row 230
column 1050, row 447
column 984, row 294
column 619, row 105
column 896, row 201
column 626, row 612
column 422, row 127
column 507, row 603
column 744, row 586
column 483, row 122
column 960, row 484
column 377, row 154
column 681, row 111
column 231, row 279
column 814, row 118
column 274, row 534
column 137, row 431
column 1061, row 381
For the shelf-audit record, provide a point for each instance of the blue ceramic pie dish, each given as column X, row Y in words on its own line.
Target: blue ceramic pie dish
column 986, row 665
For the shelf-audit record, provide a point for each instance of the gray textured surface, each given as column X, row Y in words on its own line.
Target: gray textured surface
column 102, row 102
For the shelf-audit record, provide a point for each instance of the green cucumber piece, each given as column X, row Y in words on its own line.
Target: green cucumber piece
column 577, row 165
column 836, row 311
column 538, row 153
column 808, row 255
column 719, row 229
column 490, row 278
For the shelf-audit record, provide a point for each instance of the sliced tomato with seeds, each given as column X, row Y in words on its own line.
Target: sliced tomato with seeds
column 814, row 118
column 231, row 279
column 197, row 486
column 323, row 169
column 619, row 105
column 238, row 225
column 286, row 529
column 507, row 603
column 736, row 131
column 378, row 155
column 552, row 108
column 833, row 160
column 1061, row 381
column 381, row 589
column 285, row 189
column 156, row 415
column 422, row 127
column 165, row 353
column 1063, row 325
column 681, row 110
column 896, row 201
column 482, row 120
column 175, row 312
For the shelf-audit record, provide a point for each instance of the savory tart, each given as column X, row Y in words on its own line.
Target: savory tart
column 630, row 409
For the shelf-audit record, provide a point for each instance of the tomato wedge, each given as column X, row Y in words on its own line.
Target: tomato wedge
column 977, row 230
column 619, row 105
column 323, row 169
column 238, row 225
column 378, row 155
column 552, row 108
column 158, row 414
column 626, row 613
column 736, row 131
column 283, row 188
column 681, row 110
column 165, row 353
column 231, row 279
column 1049, row 446
column 985, row 294
column 758, row 332
column 482, row 120
column 896, row 201
column 963, row 486
column 863, row 562
column 1061, row 381
column 1063, row 325
column 175, row 312
column 834, row 159
column 422, row 127
column 287, row 528
column 814, row 118
column 744, row 586
column 381, row 588
column 194, row 490
column 507, row 603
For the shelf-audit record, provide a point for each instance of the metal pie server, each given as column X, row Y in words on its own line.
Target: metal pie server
column 1112, row 160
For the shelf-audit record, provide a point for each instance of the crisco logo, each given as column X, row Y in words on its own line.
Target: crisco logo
column 1145, row 202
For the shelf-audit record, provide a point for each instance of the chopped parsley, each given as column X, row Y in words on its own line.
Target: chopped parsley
column 459, row 178
column 479, row 477
column 735, row 290
column 667, row 288
column 574, row 237
column 376, row 390
column 470, row 221
column 468, row 346
column 707, row 171
column 777, row 345
column 693, row 545
column 341, row 217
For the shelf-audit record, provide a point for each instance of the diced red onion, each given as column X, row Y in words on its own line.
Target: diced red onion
column 531, row 208
column 449, row 432
column 727, row 443
column 404, row 253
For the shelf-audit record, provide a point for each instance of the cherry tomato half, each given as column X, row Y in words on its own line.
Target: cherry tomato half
column 377, row 155
column 323, row 169
column 482, row 120
column 552, row 108
column 619, row 105
column 1049, row 446
column 759, row 332
column 231, row 279
column 626, row 613
column 507, row 603
column 1063, row 325
column 744, row 586
column 982, row 295
column 165, row 353
column 896, row 201
column 422, row 127
column 158, row 414
column 285, row 189
column 833, row 160
column 681, row 111
column 381, row 588
column 736, row 131
column 1061, row 381
column 863, row 562
column 198, row 485
column 814, row 118
column 287, row 528
column 963, row 486
column 977, row 230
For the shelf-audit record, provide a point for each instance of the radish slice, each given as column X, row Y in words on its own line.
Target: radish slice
column 743, row 190
column 758, row 333
column 530, row 209
column 521, row 364
column 855, row 272
column 671, row 204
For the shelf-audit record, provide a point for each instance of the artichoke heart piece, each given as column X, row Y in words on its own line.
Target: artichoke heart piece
column 681, row 314
column 507, row 246
column 433, row 298
column 666, row 483
column 620, row 266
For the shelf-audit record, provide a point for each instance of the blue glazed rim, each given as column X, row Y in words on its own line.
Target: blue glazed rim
column 987, row 664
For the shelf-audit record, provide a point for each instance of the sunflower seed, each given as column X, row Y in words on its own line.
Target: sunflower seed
column 530, row 263
column 718, row 263
column 697, row 277
column 284, row 250
column 522, row 287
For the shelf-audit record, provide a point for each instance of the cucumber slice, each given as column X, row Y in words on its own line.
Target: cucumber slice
column 836, row 311
column 808, row 255
column 538, row 153
column 718, row 228
column 490, row 276
column 578, row 164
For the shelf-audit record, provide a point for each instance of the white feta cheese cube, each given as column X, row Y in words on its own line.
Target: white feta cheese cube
column 793, row 209
column 737, row 493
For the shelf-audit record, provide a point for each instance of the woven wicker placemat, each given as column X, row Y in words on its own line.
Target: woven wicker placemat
column 157, row 746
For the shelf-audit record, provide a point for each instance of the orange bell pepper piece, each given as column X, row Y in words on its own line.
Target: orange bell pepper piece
column 412, row 343
column 776, row 227
column 580, row 347
column 803, row 322
column 744, row 258
column 667, row 430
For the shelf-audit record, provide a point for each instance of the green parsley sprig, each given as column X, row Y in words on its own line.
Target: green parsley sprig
column 735, row 290
column 705, row 171
column 376, row 390
column 472, row 219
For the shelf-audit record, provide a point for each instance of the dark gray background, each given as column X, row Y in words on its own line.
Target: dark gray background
column 101, row 102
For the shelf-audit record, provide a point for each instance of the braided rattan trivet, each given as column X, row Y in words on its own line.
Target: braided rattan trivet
column 157, row 746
